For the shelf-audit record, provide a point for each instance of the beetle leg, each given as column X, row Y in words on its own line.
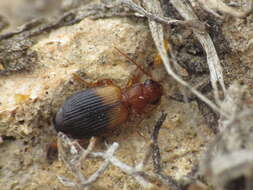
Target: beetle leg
column 135, row 78
column 103, row 82
column 52, row 151
column 100, row 82
column 80, row 79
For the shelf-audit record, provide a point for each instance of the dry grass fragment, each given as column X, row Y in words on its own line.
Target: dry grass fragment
column 213, row 6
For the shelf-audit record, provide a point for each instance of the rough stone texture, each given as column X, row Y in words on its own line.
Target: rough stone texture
column 19, row 11
column 86, row 48
column 239, row 35
column 30, row 100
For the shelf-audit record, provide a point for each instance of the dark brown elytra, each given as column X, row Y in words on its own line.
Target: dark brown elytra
column 92, row 111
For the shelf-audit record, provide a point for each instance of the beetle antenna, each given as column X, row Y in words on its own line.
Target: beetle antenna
column 80, row 79
column 132, row 61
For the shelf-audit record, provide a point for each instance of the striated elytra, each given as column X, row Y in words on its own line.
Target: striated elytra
column 91, row 112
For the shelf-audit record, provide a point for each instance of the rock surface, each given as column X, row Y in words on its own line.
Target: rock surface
column 29, row 101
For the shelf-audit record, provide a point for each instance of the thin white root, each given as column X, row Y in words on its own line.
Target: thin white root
column 73, row 155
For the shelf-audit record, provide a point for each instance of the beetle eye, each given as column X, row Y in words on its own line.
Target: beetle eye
column 148, row 82
column 156, row 101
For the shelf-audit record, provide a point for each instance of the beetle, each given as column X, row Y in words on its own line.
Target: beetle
column 92, row 111
column 89, row 112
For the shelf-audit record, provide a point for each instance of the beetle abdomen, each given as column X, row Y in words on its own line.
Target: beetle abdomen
column 90, row 111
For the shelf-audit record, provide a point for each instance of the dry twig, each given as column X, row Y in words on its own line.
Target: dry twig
column 213, row 6
column 215, row 68
column 229, row 157
column 72, row 155
column 157, row 157
column 163, row 20
column 158, row 36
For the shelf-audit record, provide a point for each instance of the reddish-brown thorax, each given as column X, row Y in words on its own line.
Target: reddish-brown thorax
column 137, row 97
